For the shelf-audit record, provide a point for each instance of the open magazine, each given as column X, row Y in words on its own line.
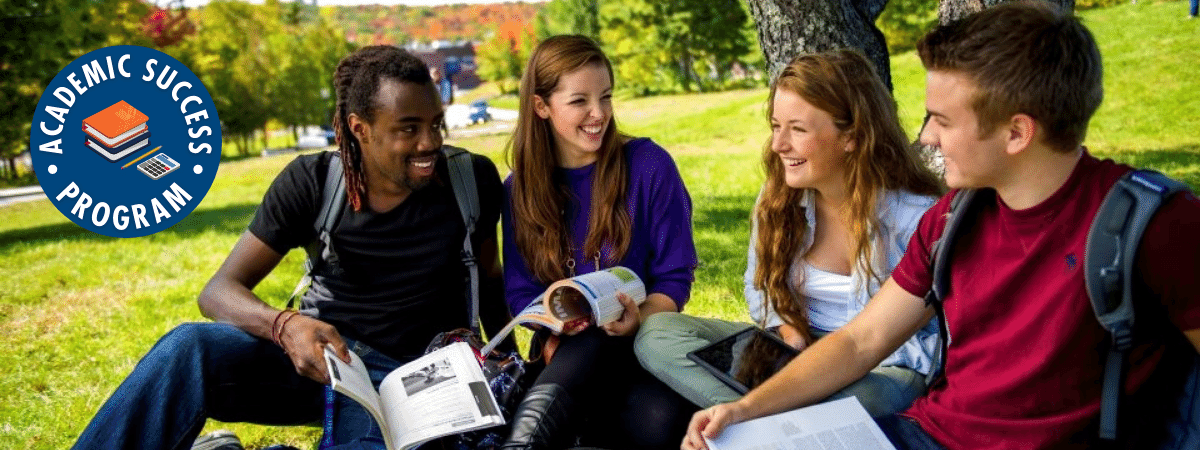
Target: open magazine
column 591, row 297
column 838, row 424
column 439, row 394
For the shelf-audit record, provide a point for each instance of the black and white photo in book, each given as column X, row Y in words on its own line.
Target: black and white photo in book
column 428, row 376
column 439, row 394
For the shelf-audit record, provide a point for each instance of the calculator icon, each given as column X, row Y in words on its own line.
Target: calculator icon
column 159, row 165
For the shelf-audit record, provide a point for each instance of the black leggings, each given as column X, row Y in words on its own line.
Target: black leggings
column 617, row 403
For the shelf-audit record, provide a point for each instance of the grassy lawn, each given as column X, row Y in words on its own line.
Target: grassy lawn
column 80, row 309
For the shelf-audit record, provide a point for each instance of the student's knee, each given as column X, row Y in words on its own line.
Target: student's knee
column 656, row 333
column 192, row 335
column 190, row 342
column 886, row 390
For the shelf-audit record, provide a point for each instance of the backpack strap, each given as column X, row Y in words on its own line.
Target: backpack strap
column 462, row 181
column 333, row 198
column 320, row 251
column 939, row 255
column 1112, row 244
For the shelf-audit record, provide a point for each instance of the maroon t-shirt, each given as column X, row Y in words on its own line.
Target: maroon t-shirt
column 1025, row 362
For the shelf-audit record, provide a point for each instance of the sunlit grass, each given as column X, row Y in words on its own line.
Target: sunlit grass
column 79, row 309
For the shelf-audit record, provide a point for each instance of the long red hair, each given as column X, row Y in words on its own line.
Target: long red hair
column 845, row 85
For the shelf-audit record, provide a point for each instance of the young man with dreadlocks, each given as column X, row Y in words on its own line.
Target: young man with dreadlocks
column 398, row 279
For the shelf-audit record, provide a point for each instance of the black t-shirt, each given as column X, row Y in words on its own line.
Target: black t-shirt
column 401, row 279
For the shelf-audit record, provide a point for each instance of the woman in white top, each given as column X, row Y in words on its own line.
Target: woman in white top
column 842, row 197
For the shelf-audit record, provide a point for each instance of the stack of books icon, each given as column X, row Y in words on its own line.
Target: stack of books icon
column 117, row 131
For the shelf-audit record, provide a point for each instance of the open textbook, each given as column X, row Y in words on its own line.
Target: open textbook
column 439, row 394
column 589, row 297
column 836, row 425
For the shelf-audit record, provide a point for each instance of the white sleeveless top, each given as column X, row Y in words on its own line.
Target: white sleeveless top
column 828, row 297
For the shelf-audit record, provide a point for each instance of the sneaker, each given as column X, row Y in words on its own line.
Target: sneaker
column 218, row 440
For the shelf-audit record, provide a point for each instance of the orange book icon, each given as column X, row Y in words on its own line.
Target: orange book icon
column 114, row 121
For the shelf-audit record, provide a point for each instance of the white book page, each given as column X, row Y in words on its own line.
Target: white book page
column 534, row 313
column 837, row 425
column 441, row 393
column 600, row 288
column 353, row 381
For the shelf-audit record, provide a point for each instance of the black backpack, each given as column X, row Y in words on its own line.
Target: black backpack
column 321, row 253
column 1112, row 244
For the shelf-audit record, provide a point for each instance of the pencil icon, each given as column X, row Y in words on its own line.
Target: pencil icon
column 140, row 157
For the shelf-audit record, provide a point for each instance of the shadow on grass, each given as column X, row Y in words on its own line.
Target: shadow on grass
column 1182, row 162
column 230, row 219
column 721, row 225
column 723, row 213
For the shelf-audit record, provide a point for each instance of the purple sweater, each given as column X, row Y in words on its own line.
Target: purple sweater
column 661, row 250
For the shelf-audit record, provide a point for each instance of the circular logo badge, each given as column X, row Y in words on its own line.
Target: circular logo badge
column 126, row 141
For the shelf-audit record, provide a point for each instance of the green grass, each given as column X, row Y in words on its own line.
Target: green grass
column 79, row 309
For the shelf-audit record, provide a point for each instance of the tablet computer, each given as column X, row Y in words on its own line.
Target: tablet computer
column 745, row 359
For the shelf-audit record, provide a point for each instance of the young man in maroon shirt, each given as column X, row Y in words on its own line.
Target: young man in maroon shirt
column 1009, row 93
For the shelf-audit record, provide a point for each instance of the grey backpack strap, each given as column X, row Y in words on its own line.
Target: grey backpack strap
column 940, row 254
column 320, row 251
column 462, row 181
column 1112, row 244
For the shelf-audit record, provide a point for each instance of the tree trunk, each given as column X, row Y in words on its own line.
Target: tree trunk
column 787, row 28
column 950, row 10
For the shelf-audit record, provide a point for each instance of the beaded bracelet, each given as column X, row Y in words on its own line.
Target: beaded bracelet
column 275, row 324
column 279, row 336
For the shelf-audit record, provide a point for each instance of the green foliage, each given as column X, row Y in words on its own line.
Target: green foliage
column 685, row 45
column 39, row 38
column 500, row 60
column 569, row 17
column 1090, row 4
column 903, row 22
column 264, row 62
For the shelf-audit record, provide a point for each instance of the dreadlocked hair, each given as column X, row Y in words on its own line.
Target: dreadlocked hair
column 356, row 84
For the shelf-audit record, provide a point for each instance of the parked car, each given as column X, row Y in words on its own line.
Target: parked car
column 312, row 141
column 479, row 112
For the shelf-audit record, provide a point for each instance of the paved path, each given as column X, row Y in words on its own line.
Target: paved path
column 22, row 194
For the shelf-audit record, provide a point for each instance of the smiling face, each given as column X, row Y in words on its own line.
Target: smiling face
column 400, row 147
column 811, row 147
column 580, row 111
column 973, row 158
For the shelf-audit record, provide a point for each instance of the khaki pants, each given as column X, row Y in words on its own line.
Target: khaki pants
column 665, row 339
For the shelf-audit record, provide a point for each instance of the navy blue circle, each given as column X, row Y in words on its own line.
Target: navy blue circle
column 71, row 173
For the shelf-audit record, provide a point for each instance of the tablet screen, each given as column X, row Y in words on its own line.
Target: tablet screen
column 745, row 359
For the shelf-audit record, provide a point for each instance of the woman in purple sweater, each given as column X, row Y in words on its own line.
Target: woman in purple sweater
column 582, row 197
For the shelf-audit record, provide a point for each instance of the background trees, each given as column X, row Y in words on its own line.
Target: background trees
column 656, row 46
column 259, row 62
column 38, row 38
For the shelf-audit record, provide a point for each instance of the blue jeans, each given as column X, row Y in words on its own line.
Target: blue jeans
column 210, row 370
column 1194, row 7
column 905, row 434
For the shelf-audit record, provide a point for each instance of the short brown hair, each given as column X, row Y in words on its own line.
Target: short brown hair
column 1025, row 57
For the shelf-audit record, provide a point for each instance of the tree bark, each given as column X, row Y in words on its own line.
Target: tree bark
column 787, row 28
column 950, row 10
